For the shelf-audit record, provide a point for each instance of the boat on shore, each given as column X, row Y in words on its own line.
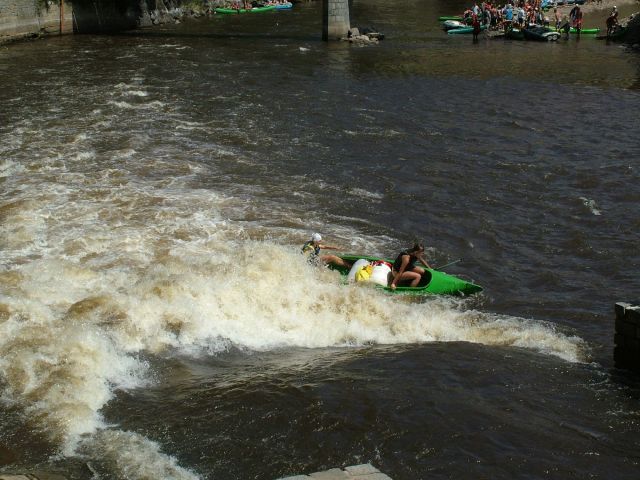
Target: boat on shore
column 433, row 282
column 582, row 31
column 464, row 30
column 540, row 34
column 514, row 34
column 231, row 11
column 451, row 24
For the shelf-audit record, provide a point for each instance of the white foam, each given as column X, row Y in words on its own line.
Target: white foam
column 591, row 205
column 133, row 456
column 86, row 155
column 98, row 267
column 128, row 106
column 125, row 154
column 9, row 167
column 362, row 193
column 136, row 93
column 64, row 382
column 123, row 105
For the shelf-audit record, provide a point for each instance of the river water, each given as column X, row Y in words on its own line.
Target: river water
column 158, row 321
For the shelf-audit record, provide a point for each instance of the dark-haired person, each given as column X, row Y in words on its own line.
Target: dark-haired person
column 612, row 21
column 404, row 270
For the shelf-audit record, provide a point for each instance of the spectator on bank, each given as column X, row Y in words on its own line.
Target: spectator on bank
column 507, row 15
column 612, row 21
column 556, row 16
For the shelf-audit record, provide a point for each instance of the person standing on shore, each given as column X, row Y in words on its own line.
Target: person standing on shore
column 508, row 17
column 556, row 16
column 476, row 27
column 572, row 15
column 578, row 20
column 612, row 21
column 520, row 17
column 565, row 26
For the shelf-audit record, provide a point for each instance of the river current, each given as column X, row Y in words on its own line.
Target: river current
column 158, row 321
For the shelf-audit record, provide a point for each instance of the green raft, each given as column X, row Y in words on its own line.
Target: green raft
column 228, row 11
column 433, row 281
column 584, row 31
column 464, row 30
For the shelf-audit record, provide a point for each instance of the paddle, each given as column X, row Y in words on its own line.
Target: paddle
column 448, row 264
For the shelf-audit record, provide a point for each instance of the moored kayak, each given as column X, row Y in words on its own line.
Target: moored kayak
column 228, row 11
column 284, row 6
column 583, row 31
column 586, row 31
column 434, row 282
column 451, row 24
column 514, row 34
column 541, row 34
column 463, row 30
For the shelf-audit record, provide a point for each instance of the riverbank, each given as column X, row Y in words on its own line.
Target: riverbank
column 25, row 19
column 596, row 6
column 596, row 12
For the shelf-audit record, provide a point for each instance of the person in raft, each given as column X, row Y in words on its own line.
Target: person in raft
column 404, row 270
column 312, row 250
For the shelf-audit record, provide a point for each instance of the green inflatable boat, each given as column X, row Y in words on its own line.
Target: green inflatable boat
column 464, row 30
column 584, row 31
column 433, row 281
column 229, row 11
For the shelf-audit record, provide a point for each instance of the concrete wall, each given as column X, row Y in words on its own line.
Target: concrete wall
column 335, row 19
column 626, row 353
column 20, row 18
column 100, row 16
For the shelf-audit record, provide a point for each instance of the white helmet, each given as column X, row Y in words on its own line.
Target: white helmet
column 316, row 237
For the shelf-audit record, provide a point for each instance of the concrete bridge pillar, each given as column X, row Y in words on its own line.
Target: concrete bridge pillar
column 335, row 19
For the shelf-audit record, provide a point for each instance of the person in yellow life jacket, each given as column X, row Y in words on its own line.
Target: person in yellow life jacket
column 313, row 247
column 404, row 270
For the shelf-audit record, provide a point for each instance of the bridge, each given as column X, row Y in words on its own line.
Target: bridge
column 20, row 18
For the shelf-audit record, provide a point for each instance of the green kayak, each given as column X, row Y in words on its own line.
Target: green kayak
column 584, row 31
column 433, row 281
column 463, row 30
column 228, row 11
column 442, row 19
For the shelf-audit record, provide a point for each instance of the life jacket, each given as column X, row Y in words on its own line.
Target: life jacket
column 397, row 265
column 310, row 249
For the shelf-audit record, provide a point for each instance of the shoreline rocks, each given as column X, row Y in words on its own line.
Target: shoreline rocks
column 366, row 37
